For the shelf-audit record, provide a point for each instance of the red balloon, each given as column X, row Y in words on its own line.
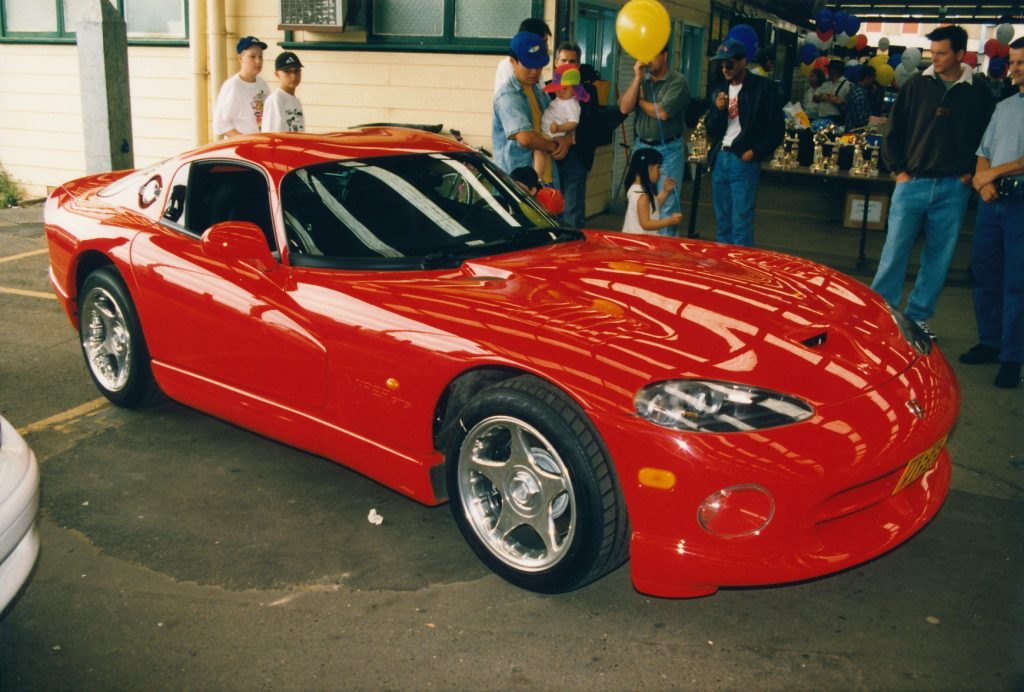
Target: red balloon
column 827, row 35
column 1004, row 50
column 862, row 42
column 821, row 64
column 991, row 48
column 971, row 58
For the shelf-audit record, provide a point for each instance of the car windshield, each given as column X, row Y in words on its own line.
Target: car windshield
column 410, row 211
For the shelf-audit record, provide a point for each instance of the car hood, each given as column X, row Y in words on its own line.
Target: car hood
column 664, row 308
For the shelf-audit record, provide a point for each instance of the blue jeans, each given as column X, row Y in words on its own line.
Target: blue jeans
column 734, row 193
column 997, row 260
column 937, row 206
column 573, row 177
column 671, row 167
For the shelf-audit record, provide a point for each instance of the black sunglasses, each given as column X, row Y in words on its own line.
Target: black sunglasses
column 728, row 64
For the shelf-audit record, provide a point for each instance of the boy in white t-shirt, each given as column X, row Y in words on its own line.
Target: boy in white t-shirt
column 282, row 111
column 563, row 115
column 238, row 110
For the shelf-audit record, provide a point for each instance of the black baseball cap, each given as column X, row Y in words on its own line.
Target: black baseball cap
column 287, row 61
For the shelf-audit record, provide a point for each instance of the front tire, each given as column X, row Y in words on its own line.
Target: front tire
column 533, row 490
column 112, row 341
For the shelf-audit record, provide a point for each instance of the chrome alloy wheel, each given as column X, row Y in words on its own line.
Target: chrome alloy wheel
column 516, row 493
column 106, row 339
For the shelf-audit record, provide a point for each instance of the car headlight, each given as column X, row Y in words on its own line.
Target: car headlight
column 718, row 407
column 914, row 335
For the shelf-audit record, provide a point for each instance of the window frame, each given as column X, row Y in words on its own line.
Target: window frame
column 61, row 34
column 447, row 42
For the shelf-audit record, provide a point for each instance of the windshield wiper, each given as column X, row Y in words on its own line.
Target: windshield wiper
column 441, row 260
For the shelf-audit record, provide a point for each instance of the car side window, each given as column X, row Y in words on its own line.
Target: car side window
column 174, row 210
column 205, row 193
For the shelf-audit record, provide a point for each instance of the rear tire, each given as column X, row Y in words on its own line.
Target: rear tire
column 112, row 341
column 533, row 490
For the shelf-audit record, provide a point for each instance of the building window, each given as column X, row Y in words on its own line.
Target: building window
column 146, row 20
column 458, row 23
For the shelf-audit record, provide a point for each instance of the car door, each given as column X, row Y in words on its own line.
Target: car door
column 227, row 322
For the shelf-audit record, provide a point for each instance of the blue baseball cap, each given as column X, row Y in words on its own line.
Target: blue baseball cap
column 248, row 42
column 730, row 49
column 530, row 49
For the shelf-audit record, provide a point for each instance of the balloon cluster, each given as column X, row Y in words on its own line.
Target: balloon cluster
column 997, row 49
column 839, row 28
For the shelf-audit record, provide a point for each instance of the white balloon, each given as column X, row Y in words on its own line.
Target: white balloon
column 852, row 62
column 911, row 58
column 883, row 43
column 901, row 75
column 1004, row 34
column 842, row 38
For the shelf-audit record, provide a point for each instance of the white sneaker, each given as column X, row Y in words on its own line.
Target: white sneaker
column 923, row 326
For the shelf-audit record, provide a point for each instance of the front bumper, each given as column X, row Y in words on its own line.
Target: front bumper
column 19, row 505
column 831, row 479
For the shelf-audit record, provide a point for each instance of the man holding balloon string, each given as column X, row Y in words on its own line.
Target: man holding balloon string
column 658, row 94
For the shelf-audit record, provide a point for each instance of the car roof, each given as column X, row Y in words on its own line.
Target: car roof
column 282, row 152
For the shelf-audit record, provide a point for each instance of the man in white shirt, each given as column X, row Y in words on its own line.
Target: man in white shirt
column 282, row 111
column 238, row 110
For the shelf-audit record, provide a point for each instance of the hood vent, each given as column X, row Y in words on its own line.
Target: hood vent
column 816, row 340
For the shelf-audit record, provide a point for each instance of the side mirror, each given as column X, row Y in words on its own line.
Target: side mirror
column 239, row 242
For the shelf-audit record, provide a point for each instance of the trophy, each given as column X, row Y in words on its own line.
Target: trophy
column 864, row 164
column 785, row 154
column 699, row 143
column 833, row 160
column 819, row 165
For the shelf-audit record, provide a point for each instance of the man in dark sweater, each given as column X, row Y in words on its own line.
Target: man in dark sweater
column 745, row 125
column 934, row 130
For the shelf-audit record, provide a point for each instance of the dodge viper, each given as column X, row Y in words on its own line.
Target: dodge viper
column 388, row 299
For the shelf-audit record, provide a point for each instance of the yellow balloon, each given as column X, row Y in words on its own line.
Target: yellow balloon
column 877, row 61
column 806, row 69
column 852, row 42
column 885, row 74
column 643, row 28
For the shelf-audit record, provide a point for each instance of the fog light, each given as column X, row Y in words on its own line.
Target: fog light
column 739, row 510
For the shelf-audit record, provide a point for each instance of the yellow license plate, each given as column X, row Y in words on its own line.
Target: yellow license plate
column 919, row 465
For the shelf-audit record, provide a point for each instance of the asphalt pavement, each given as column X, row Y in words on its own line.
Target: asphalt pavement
column 181, row 552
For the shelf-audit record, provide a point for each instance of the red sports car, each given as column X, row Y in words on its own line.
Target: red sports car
column 390, row 300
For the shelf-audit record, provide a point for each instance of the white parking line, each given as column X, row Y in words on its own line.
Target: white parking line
column 23, row 255
column 28, row 294
column 65, row 416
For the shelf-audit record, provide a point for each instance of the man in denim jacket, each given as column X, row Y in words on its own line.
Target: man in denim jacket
column 518, row 106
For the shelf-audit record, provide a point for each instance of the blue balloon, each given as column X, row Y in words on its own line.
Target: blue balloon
column 996, row 65
column 808, row 52
column 894, row 60
column 824, row 20
column 852, row 24
column 852, row 72
column 746, row 35
column 839, row 18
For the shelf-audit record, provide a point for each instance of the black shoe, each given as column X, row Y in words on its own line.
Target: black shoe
column 980, row 354
column 1008, row 376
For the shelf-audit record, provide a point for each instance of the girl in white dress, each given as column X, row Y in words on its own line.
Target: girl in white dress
column 642, row 200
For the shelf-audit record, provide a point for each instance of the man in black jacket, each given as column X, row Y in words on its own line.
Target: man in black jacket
column 934, row 131
column 745, row 125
